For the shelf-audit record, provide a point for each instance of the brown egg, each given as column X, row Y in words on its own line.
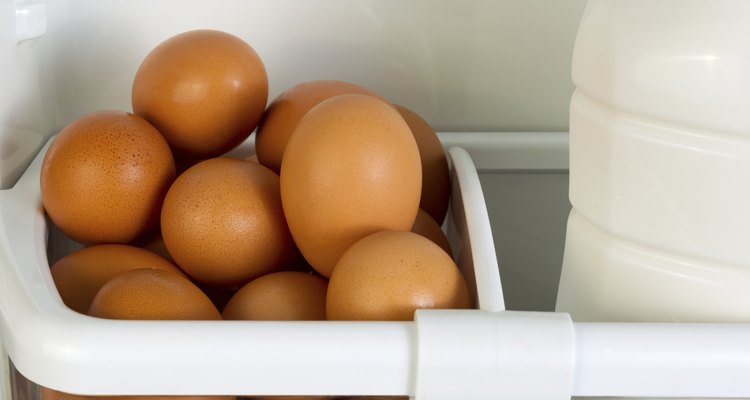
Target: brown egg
column 390, row 274
column 351, row 169
column 223, row 224
column 152, row 294
column 167, row 397
column 205, row 90
column 79, row 275
column 426, row 226
column 285, row 295
column 154, row 243
column 285, row 111
column 292, row 397
column 436, row 179
column 104, row 177
column 51, row 394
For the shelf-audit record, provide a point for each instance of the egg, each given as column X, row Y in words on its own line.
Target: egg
column 285, row 295
column 205, row 90
column 294, row 397
column 155, row 244
column 388, row 275
column 104, row 177
column 167, row 397
column 223, row 224
column 152, row 294
column 351, row 168
column 79, row 275
column 436, row 180
column 285, row 111
column 46, row 393
column 426, row 226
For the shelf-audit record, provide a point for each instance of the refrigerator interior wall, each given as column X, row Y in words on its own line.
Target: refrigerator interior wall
column 463, row 65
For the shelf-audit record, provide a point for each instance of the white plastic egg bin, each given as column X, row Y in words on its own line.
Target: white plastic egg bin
column 58, row 348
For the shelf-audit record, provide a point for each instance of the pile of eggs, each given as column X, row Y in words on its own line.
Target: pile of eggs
column 336, row 217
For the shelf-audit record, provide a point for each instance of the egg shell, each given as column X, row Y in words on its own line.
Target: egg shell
column 205, row 90
column 436, row 179
column 46, row 393
column 285, row 111
column 167, row 397
column 223, row 224
column 104, row 177
column 293, row 397
column 152, row 294
column 79, row 275
column 351, row 168
column 426, row 226
column 286, row 295
column 154, row 243
column 388, row 275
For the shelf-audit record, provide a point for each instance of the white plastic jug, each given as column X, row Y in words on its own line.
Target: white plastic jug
column 659, row 163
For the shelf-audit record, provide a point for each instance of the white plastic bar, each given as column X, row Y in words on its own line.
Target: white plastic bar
column 662, row 360
column 520, row 151
column 507, row 355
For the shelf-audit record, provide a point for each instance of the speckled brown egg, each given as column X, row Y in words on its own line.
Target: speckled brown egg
column 426, row 226
column 79, row 275
column 285, row 111
column 285, row 295
column 351, row 169
column 390, row 274
column 205, row 90
column 152, row 294
column 104, row 177
column 436, row 180
column 223, row 224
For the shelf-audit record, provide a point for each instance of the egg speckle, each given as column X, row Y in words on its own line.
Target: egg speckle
column 79, row 275
column 436, row 180
column 223, row 224
column 351, row 168
column 152, row 294
column 285, row 295
column 104, row 177
column 285, row 111
column 205, row 90
column 390, row 274
column 427, row 227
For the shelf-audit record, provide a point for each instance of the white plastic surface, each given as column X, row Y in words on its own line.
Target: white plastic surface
column 609, row 279
column 58, row 348
column 662, row 360
column 678, row 61
column 660, row 184
column 508, row 355
column 476, row 256
column 31, row 20
column 5, row 389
